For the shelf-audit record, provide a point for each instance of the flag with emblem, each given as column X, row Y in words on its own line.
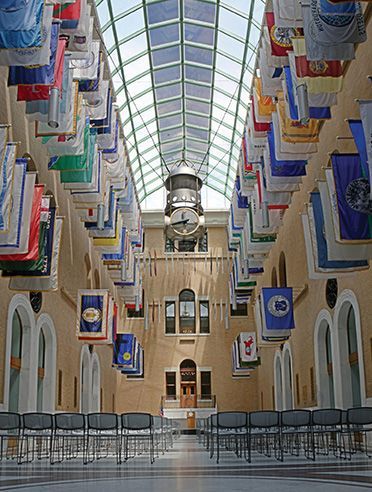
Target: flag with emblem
column 280, row 37
column 248, row 346
column 92, row 314
column 278, row 308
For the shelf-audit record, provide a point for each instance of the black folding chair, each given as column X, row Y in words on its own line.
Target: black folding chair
column 296, row 432
column 102, row 438
column 327, row 431
column 264, row 434
column 230, row 430
column 36, row 437
column 10, row 435
column 137, row 434
column 68, row 437
column 359, row 424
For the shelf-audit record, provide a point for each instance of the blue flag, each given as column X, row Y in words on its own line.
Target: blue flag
column 22, row 27
column 278, row 305
column 284, row 168
column 37, row 75
column 242, row 200
column 123, row 350
column 356, row 128
column 315, row 113
column 352, row 188
column 92, row 313
column 323, row 261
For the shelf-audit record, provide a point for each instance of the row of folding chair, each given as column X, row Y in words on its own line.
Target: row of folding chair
column 66, row 436
column 272, row 433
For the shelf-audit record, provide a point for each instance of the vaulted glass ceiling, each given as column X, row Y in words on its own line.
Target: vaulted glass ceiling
column 182, row 70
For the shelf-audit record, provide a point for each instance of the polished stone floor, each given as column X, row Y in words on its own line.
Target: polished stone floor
column 187, row 468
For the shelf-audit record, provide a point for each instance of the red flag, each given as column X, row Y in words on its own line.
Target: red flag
column 33, row 242
column 41, row 91
column 280, row 37
column 67, row 11
column 259, row 127
column 321, row 68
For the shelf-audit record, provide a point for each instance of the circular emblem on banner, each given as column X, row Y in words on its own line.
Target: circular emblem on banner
column 318, row 67
column 91, row 315
column 278, row 306
column 282, row 35
column 126, row 356
column 357, row 196
column 337, row 20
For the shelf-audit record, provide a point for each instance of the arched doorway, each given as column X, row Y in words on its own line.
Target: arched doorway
column 278, row 382
column 288, row 383
column 15, row 362
column 188, row 384
column 85, row 380
column 96, row 384
column 323, row 356
column 46, row 367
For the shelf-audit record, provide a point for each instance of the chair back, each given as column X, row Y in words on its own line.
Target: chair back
column 69, row 421
column 37, row 421
column 232, row 420
column 136, row 421
column 296, row 418
column 264, row 418
column 102, row 421
column 9, row 421
column 327, row 416
column 359, row 416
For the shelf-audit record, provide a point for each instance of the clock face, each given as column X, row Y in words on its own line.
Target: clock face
column 184, row 221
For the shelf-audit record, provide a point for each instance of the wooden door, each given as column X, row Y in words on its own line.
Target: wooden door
column 188, row 395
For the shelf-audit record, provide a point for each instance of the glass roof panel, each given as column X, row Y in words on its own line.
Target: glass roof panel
column 182, row 71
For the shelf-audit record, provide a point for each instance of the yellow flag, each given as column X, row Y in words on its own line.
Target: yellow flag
column 293, row 131
column 319, row 76
column 264, row 103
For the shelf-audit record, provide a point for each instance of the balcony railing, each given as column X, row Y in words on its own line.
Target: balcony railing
column 175, row 401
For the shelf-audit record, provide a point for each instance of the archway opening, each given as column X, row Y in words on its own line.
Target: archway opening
column 278, row 385
column 188, row 384
column 288, row 384
column 187, row 311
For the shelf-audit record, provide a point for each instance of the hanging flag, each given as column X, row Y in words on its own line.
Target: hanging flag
column 248, row 346
column 68, row 13
column 43, row 284
column 365, row 108
column 7, row 167
column 33, row 243
column 319, row 75
column 339, row 46
column 293, row 131
column 280, row 38
column 92, row 314
column 287, row 13
column 124, row 350
column 337, row 250
column 314, row 112
column 316, row 223
column 22, row 27
column 278, row 306
column 290, row 150
column 288, row 167
column 352, row 185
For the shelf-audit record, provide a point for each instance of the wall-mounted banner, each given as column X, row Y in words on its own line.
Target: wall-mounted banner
column 92, row 314
column 278, row 305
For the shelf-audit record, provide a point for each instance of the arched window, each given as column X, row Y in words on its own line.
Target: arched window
column 353, row 357
column 187, row 311
column 282, row 270
column 274, row 278
column 329, row 366
column 288, row 385
column 96, row 384
column 278, row 383
column 40, row 372
column 15, row 362
column 85, row 378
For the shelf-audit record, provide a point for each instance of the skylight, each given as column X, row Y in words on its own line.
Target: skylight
column 182, row 70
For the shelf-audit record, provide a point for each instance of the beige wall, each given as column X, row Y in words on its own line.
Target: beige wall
column 168, row 351
column 291, row 242
column 72, row 271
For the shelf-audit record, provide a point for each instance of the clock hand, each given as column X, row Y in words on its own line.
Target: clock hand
column 181, row 222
